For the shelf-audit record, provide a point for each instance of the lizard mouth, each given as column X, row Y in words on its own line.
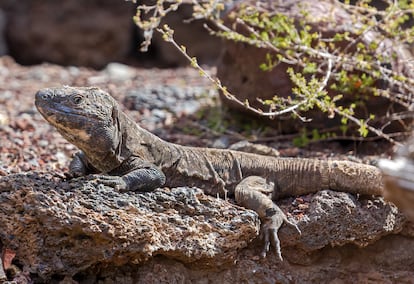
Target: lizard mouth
column 58, row 113
column 74, row 126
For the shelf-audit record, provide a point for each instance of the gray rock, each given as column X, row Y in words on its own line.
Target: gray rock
column 338, row 218
column 192, row 35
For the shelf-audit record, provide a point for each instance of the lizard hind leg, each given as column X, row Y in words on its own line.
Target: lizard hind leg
column 255, row 193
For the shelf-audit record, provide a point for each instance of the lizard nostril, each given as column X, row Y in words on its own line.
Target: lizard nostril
column 43, row 94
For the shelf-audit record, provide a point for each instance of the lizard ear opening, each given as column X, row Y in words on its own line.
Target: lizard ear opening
column 115, row 118
column 115, row 121
column 117, row 136
column 115, row 114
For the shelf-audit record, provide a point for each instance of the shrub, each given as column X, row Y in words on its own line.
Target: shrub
column 325, row 68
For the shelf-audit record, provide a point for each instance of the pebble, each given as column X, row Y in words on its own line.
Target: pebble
column 5, row 96
column 119, row 72
column 62, row 158
column 43, row 143
column 4, row 119
column 159, row 113
column 222, row 142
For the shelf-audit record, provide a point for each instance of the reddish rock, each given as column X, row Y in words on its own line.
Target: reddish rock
column 199, row 43
column 239, row 69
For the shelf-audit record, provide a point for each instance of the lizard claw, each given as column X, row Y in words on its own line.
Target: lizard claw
column 269, row 233
column 270, row 229
column 116, row 182
column 73, row 174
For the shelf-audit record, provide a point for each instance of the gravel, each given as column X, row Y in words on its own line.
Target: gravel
column 28, row 142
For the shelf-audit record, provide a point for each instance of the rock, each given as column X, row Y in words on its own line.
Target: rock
column 399, row 178
column 119, row 72
column 384, row 262
column 199, row 43
column 221, row 142
column 362, row 221
column 3, row 44
column 4, row 119
column 3, row 276
column 63, row 227
column 84, row 230
column 238, row 68
column 96, row 33
column 72, row 32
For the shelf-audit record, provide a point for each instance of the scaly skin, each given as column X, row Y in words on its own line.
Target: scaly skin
column 122, row 154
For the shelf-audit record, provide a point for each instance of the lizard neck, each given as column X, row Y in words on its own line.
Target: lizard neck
column 106, row 150
column 138, row 142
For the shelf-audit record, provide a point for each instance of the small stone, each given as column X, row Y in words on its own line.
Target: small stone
column 62, row 158
column 4, row 119
column 43, row 143
column 221, row 143
column 159, row 113
column 25, row 122
column 119, row 72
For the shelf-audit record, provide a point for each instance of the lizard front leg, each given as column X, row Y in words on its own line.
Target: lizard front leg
column 79, row 166
column 253, row 193
column 133, row 175
column 140, row 179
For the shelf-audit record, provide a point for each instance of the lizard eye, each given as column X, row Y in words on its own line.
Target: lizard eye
column 77, row 99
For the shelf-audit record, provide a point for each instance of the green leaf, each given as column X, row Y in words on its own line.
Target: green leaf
column 310, row 68
column 363, row 130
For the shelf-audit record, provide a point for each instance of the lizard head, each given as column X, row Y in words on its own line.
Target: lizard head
column 86, row 117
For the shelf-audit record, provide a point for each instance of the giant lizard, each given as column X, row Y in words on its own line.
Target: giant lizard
column 127, row 157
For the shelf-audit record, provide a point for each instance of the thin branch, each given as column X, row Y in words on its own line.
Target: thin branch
column 399, row 89
column 369, row 127
column 226, row 93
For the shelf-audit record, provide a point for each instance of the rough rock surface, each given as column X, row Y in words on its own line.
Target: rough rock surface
column 238, row 68
column 59, row 227
column 77, row 228
column 337, row 218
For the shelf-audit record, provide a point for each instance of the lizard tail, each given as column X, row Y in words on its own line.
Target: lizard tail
column 299, row 177
column 355, row 178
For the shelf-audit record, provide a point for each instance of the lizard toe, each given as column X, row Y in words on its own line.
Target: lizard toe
column 73, row 174
column 276, row 243
column 266, row 236
column 271, row 238
column 113, row 181
column 269, row 234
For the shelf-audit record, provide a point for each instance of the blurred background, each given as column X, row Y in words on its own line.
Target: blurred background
column 93, row 33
